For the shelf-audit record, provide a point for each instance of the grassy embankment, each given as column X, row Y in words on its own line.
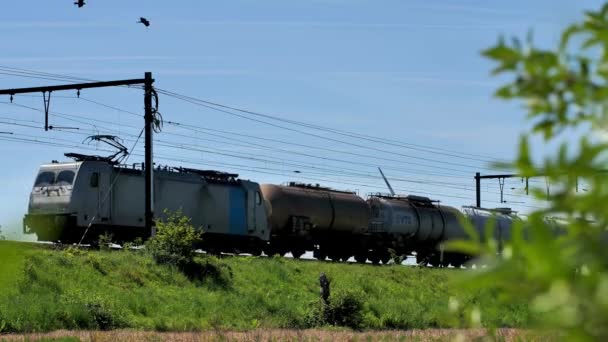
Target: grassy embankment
column 44, row 290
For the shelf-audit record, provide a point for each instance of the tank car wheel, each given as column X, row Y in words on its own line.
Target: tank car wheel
column 297, row 253
column 213, row 251
column 256, row 252
column 375, row 259
column 435, row 261
column 319, row 254
column 385, row 258
column 271, row 250
column 360, row 258
column 344, row 257
column 421, row 260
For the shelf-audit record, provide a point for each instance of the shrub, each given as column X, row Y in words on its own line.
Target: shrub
column 103, row 316
column 344, row 309
column 104, row 241
column 174, row 241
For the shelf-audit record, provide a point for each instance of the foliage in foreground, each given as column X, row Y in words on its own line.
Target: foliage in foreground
column 74, row 289
column 175, row 240
column 565, row 90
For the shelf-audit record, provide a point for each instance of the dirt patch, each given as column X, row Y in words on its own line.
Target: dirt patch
column 281, row 335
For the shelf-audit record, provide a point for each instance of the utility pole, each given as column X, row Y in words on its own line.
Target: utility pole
column 147, row 81
column 478, row 190
column 149, row 177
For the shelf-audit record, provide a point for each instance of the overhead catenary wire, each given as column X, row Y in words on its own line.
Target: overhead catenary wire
column 186, row 99
column 290, row 162
column 204, row 131
column 392, row 142
column 319, row 170
column 253, row 169
column 81, row 119
column 341, row 132
column 231, row 154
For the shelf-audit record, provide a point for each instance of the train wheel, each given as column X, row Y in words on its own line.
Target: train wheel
column 374, row 258
column 256, row 252
column 435, row 261
column 297, row 253
column 319, row 254
column 421, row 260
column 334, row 257
column 385, row 257
column 344, row 257
column 360, row 258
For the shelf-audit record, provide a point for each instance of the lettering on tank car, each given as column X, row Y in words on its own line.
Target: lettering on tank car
column 403, row 219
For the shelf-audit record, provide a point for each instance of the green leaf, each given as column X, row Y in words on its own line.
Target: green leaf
column 524, row 161
column 502, row 53
column 505, row 92
column 567, row 35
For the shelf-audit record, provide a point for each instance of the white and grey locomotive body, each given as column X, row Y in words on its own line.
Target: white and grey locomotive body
column 68, row 198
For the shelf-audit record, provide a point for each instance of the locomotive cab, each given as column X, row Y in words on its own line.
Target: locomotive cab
column 49, row 208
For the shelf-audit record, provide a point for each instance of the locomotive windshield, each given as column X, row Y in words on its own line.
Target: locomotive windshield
column 65, row 177
column 62, row 178
column 45, row 178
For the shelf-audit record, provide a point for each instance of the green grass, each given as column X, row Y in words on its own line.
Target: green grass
column 43, row 290
column 12, row 258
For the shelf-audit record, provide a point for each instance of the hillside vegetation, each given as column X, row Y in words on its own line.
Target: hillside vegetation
column 43, row 289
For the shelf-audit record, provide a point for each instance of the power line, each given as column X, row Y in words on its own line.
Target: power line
column 185, row 99
column 345, row 133
column 36, row 140
column 203, row 130
column 342, row 172
column 325, row 171
column 341, row 132
column 392, row 142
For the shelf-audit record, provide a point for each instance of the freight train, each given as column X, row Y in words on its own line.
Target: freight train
column 96, row 195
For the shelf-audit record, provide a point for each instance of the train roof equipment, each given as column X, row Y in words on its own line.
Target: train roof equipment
column 212, row 176
column 503, row 210
column 112, row 140
column 317, row 187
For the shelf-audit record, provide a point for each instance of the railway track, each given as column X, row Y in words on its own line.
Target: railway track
column 306, row 257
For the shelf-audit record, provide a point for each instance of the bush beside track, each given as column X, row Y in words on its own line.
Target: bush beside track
column 43, row 290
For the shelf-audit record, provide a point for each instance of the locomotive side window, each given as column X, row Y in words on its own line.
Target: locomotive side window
column 258, row 198
column 45, row 178
column 65, row 177
column 94, row 182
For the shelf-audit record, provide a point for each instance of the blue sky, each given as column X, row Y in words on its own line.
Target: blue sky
column 404, row 70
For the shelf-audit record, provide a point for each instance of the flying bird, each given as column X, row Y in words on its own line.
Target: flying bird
column 144, row 21
column 79, row 3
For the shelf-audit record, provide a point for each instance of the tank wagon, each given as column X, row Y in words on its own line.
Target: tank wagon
column 413, row 224
column 99, row 196
column 341, row 225
column 314, row 218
